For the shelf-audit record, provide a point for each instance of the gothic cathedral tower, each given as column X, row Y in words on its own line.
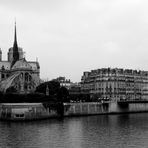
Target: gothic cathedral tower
column 15, row 48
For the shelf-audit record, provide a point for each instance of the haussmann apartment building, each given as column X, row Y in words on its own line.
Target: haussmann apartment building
column 115, row 83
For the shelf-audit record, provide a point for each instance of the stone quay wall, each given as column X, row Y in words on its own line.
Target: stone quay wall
column 25, row 111
column 94, row 108
column 36, row 111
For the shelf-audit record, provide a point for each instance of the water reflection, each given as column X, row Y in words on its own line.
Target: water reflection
column 103, row 131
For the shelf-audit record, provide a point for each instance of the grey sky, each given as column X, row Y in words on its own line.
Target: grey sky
column 73, row 36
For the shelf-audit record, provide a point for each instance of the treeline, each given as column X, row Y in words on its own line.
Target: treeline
column 55, row 94
column 50, row 91
column 21, row 98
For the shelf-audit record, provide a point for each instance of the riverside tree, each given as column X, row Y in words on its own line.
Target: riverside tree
column 60, row 94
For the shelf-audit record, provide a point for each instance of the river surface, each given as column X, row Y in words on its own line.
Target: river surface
column 103, row 131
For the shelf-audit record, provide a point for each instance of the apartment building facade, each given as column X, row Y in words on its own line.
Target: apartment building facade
column 115, row 83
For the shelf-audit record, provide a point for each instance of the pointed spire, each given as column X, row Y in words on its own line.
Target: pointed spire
column 47, row 90
column 15, row 47
column 15, row 36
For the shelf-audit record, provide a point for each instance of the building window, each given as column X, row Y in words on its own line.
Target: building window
column 30, row 78
column 26, row 76
column 7, row 75
column 21, row 75
column 3, row 68
column 29, row 87
column 25, row 87
column 19, row 115
column 3, row 76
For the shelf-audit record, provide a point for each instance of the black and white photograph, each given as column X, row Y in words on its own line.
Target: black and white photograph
column 73, row 73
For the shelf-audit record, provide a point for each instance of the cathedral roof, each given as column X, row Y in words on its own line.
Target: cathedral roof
column 22, row 64
column 35, row 65
column 5, row 64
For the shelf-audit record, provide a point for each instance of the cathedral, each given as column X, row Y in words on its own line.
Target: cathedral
column 18, row 73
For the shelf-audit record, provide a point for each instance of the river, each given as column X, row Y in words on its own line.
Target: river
column 103, row 131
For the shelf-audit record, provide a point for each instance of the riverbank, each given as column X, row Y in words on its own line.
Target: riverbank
column 37, row 111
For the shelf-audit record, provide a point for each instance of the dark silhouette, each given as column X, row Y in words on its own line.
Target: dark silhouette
column 53, row 87
column 63, row 95
column 11, row 90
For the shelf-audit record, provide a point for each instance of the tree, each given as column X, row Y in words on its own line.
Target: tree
column 11, row 89
column 63, row 95
column 53, row 87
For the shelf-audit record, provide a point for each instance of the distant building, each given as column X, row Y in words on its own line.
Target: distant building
column 17, row 72
column 75, row 89
column 115, row 83
column 64, row 82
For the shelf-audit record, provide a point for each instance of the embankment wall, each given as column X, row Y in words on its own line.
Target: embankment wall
column 92, row 108
column 33, row 111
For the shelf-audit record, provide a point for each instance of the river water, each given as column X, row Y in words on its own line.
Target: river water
column 102, row 131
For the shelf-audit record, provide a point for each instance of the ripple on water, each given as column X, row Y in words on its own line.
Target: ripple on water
column 113, row 131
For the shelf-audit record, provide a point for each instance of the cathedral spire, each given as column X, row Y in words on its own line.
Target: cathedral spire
column 15, row 47
column 15, row 36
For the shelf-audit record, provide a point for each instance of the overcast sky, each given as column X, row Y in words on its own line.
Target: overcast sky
column 72, row 36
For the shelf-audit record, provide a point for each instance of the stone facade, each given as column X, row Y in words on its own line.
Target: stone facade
column 115, row 83
column 17, row 72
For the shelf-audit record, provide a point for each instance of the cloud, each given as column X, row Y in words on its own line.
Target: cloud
column 70, row 37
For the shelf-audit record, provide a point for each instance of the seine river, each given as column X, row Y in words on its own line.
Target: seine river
column 103, row 131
